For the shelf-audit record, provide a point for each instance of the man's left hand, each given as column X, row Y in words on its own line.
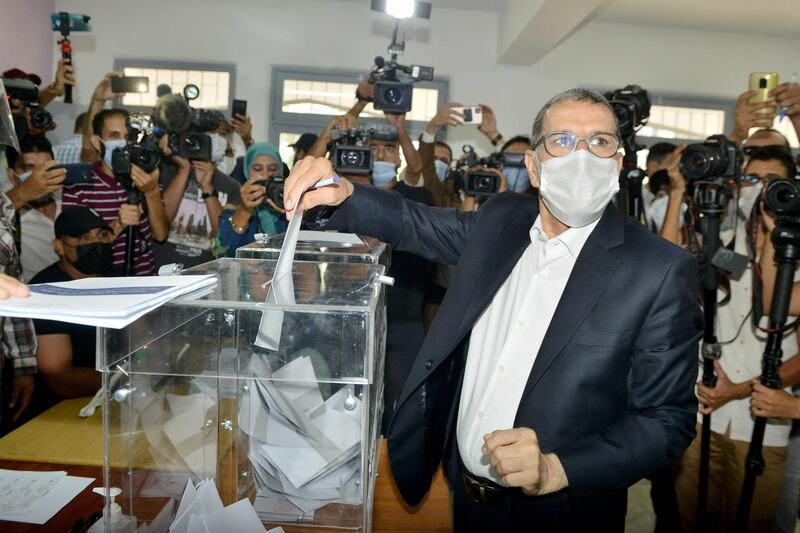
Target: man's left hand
column 398, row 120
column 21, row 395
column 517, row 458
column 787, row 95
column 724, row 392
column 145, row 182
column 774, row 403
column 242, row 125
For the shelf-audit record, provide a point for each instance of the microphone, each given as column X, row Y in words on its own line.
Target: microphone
column 163, row 89
column 173, row 111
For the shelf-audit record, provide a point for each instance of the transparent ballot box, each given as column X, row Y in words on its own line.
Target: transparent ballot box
column 278, row 402
column 325, row 246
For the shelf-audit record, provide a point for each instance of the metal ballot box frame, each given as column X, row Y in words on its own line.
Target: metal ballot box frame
column 194, row 392
column 371, row 251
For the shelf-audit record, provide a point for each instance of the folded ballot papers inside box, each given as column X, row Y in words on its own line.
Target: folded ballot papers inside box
column 271, row 389
column 323, row 246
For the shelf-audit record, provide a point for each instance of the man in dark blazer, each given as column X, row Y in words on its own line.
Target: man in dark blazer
column 560, row 369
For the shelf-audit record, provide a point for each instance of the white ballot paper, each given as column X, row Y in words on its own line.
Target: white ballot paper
column 35, row 497
column 102, row 302
column 281, row 291
column 331, row 239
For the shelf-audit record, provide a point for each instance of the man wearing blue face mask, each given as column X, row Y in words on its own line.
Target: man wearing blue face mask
column 555, row 375
column 106, row 195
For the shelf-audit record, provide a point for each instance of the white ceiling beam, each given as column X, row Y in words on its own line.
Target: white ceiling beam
column 529, row 29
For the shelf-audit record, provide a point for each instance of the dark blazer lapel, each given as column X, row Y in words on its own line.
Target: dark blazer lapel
column 586, row 283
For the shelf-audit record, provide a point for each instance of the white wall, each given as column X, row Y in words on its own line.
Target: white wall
column 461, row 45
column 26, row 40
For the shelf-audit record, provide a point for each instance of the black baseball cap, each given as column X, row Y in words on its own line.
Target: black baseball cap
column 304, row 142
column 76, row 221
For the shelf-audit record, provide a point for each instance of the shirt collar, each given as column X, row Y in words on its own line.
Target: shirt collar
column 573, row 238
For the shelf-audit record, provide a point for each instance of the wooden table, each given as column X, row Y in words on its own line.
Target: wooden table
column 60, row 440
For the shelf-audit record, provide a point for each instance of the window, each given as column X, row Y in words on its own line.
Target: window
column 216, row 82
column 304, row 100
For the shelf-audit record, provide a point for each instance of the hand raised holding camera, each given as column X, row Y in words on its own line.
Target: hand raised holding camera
column 747, row 116
column 304, row 176
column 488, row 125
column 242, row 125
column 203, row 174
column 446, row 116
column 103, row 90
column 145, row 182
column 251, row 195
column 65, row 75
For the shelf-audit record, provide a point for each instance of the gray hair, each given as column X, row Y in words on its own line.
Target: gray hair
column 572, row 95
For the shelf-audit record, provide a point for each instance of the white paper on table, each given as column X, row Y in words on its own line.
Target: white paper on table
column 331, row 239
column 239, row 517
column 281, row 288
column 97, row 308
column 44, row 509
column 20, row 490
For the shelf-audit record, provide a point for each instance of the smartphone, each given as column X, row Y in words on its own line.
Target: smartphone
column 76, row 173
column 762, row 83
column 471, row 115
column 130, row 84
column 72, row 21
column 239, row 107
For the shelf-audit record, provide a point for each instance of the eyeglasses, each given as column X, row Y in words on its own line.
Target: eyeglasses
column 752, row 179
column 561, row 143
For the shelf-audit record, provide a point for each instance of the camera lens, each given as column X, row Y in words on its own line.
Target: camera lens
column 393, row 95
column 352, row 158
column 484, row 183
column 782, row 197
column 192, row 146
column 698, row 162
column 41, row 119
column 624, row 117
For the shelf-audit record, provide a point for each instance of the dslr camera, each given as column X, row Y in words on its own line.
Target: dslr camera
column 26, row 92
column 716, row 157
column 274, row 185
column 783, row 197
column 394, row 84
column 631, row 105
column 141, row 149
column 349, row 152
column 480, row 182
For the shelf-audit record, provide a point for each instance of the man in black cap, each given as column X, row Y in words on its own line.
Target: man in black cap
column 66, row 354
column 303, row 145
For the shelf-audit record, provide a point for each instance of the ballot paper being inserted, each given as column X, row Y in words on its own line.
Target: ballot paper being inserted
column 102, row 302
column 281, row 288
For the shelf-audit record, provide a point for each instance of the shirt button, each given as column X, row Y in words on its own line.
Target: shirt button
column 521, row 323
column 429, row 364
column 480, row 414
column 501, row 368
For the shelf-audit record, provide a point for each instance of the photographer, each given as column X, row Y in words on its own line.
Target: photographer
column 742, row 344
column 37, row 188
column 256, row 212
column 102, row 94
column 194, row 191
column 109, row 197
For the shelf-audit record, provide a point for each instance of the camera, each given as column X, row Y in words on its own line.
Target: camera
column 631, row 105
column 716, row 157
column 783, row 197
column 350, row 155
column 39, row 116
column 25, row 91
column 206, row 119
column 141, row 149
column 274, row 186
column 480, row 182
column 192, row 146
column 394, row 84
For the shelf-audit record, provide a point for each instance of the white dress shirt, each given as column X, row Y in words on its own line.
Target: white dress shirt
column 741, row 359
column 506, row 339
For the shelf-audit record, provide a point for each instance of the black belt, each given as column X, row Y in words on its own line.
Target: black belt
column 482, row 490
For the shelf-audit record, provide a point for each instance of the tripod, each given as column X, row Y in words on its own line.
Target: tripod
column 630, row 180
column 133, row 198
column 712, row 198
column 786, row 238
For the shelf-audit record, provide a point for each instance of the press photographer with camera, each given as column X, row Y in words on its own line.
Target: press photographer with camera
column 39, row 184
column 566, row 397
column 742, row 345
column 102, row 93
column 762, row 114
column 260, row 202
column 108, row 194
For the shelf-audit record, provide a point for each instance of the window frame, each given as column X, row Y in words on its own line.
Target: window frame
column 121, row 63
column 726, row 105
column 284, row 122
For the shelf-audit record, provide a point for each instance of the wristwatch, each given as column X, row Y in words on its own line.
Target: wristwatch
column 207, row 195
column 497, row 139
column 360, row 97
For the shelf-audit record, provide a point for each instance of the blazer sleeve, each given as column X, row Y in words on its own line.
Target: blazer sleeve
column 433, row 233
column 662, row 406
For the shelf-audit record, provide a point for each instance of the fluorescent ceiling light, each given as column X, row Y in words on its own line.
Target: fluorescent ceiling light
column 401, row 9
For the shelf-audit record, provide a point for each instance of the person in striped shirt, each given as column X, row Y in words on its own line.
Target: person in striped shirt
column 106, row 195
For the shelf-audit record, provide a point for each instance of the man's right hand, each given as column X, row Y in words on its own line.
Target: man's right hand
column 44, row 179
column 749, row 116
column 304, row 175
column 342, row 123
column 677, row 181
column 103, row 90
column 129, row 215
column 444, row 117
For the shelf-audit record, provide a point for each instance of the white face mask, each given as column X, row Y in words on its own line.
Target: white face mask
column 218, row 146
column 748, row 197
column 383, row 172
column 576, row 188
column 227, row 165
column 657, row 211
column 441, row 169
